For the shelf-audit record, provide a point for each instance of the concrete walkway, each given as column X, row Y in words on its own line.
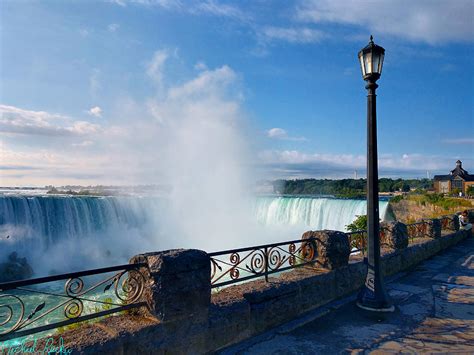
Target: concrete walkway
column 434, row 314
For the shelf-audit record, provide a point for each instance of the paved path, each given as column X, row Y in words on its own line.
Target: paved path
column 435, row 314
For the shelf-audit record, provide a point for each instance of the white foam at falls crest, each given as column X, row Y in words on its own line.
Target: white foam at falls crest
column 313, row 213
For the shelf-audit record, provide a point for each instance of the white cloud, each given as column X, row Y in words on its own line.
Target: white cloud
column 208, row 7
column 14, row 120
column 218, row 9
column 458, row 141
column 155, row 66
column 422, row 20
column 292, row 34
column 294, row 164
column 192, row 124
column 167, row 4
column 200, row 66
column 118, row 2
column 113, row 27
column 207, row 83
column 297, row 157
column 95, row 111
column 277, row 133
column 280, row 133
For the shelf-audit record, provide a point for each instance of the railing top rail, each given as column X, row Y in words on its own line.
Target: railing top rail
column 15, row 284
column 230, row 251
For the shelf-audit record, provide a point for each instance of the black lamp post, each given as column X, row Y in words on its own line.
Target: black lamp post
column 373, row 296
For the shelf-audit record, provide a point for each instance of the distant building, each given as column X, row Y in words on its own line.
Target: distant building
column 458, row 179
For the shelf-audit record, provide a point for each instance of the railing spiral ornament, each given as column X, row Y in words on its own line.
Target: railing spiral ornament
column 257, row 262
column 234, row 258
column 237, row 265
column 10, row 313
column 129, row 285
column 309, row 250
column 292, row 250
column 275, row 259
column 74, row 286
column 234, row 273
column 73, row 308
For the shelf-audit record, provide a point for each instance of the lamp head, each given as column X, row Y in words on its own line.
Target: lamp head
column 371, row 61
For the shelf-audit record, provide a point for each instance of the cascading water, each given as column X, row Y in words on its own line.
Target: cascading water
column 61, row 233
column 313, row 213
column 64, row 233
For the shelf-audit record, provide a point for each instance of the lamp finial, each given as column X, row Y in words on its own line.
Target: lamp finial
column 371, row 38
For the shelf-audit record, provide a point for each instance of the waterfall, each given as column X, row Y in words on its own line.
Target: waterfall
column 311, row 213
column 76, row 232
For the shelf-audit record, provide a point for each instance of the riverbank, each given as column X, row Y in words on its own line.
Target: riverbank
column 411, row 208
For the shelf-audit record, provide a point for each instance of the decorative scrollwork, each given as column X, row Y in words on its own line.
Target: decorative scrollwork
column 292, row 248
column 131, row 287
column 308, row 251
column 17, row 321
column 417, row 230
column 292, row 260
column 257, row 262
column 275, row 259
column 73, row 308
column 234, row 258
column 234, row 273
column 74, row 286
column 9, row 314
column 214, row 267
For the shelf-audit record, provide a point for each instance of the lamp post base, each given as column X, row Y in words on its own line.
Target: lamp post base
column 374, row 302
column 367, row 308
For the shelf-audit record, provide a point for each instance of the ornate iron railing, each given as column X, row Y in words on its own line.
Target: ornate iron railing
column 22, row 313
column 417, row 230
column 447, row 222
column 237, row 265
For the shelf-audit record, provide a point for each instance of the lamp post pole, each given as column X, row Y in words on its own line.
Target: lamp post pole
column 373, row 296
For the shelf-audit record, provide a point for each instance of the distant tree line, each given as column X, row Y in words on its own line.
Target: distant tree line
column 346, row 187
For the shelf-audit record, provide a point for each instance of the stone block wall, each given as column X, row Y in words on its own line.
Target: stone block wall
column 333, row 248
column 178, row 284
column 183, row 317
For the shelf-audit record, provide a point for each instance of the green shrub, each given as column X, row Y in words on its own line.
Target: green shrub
column 396, row 199
column 360, row 223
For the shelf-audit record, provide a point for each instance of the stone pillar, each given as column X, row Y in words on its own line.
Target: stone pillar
column 178, row 284
column 333, row 248
column 433, row 228
column 395, row 235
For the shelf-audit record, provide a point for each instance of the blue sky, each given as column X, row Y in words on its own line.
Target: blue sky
column 119, row 91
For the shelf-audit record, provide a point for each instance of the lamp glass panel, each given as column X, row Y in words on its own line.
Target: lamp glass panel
column 368, row 63
column 376, row 62
column 381, row 63
column 362, row 67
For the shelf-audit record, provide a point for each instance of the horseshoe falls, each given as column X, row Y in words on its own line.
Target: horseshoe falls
column 312, row 213
column 61, row 233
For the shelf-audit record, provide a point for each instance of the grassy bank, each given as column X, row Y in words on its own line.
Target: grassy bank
column 412, row 207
